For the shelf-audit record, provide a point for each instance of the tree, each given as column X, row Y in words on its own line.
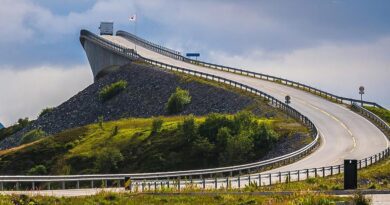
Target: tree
column 238, row 149
column 188, row 129
column 108, row 160
column 210, row 127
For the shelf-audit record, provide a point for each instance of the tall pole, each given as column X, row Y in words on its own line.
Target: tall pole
column 135, row 31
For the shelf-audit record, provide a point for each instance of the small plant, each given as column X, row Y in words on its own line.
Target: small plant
column 101, row 120
column 359, row 199
column 156, row 125
column 111, row 90
column 32, row 136
column 45, row 111
column 115, row 131
column 177, row 101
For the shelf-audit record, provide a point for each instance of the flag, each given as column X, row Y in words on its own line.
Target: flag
column 133, row 18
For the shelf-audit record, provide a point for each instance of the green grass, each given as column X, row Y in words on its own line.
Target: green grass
column 109, row 91
column 382, row 113
column 126, row 198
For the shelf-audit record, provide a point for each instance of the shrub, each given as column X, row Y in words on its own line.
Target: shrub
column 115, row 131
column 111, row 90
column 37, row 170
column 108, row 159
column 157, row 124
column 45, row 111
column 177, row 101
column 32, row 136
column 100, row 121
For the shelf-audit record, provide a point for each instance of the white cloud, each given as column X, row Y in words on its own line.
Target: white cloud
column 337, row 68
column 26, row 92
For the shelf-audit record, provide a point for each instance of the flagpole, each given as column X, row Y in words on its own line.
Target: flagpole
column 135, row 31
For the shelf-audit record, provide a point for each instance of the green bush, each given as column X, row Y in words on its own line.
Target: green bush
column 37, row 170
column 111, row 90
column 177, row 101
column 32, row 136
column 108, row 160
column 45, row 111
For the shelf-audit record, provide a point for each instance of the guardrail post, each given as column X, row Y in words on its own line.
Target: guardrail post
column 270, row 179
column 280, row 177
column 178, row 185
column 365, row 160
column 33, row 185
column 298, row 176
column 204, row 183
column 238, row 181
column 331, row 170
column 1, row 186
column 227, row 182
column 92, row 184
column 259, row 179
column 323, row 172
column 307, row 173
column 78, row 185
column 375, row 159
column 249, row 179
column 155, row 186
column 339, row 167
column 215, row 183
column 371, row 160
column 17, row 185
column 289, row 176
column 315, row 172
column 63, row 184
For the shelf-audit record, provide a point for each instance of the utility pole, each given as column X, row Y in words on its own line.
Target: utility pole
column 361, row 92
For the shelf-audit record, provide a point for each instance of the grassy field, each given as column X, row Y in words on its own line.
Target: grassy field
column 125, row 198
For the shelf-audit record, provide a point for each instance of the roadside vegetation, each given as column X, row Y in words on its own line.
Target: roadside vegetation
column 382, row 113
column 127, row 198
column 109, row 91
column 151, row 144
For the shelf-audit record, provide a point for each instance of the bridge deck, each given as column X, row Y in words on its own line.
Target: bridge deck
column 345, row 134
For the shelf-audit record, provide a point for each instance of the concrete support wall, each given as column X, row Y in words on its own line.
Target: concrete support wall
column 100, row 58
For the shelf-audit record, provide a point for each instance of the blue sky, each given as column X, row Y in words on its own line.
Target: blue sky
column 336, row 45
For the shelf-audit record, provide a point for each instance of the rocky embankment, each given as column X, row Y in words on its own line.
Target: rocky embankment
column 147, row 92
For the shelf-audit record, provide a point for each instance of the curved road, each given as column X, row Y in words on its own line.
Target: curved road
column 344, row 134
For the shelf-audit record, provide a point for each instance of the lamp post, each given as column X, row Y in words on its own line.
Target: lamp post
column 361, row 92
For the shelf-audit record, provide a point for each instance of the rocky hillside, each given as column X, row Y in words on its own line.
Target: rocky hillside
column 147, row 92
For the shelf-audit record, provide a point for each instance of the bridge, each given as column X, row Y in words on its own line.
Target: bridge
column 338, row 133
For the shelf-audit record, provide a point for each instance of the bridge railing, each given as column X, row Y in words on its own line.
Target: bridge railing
column 151, row 46
column 284, row 81
column 377, row 120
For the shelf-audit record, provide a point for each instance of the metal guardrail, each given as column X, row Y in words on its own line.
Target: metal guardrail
column 153, row 182
column 378, row 121
column 291, row 83
column 151, row 46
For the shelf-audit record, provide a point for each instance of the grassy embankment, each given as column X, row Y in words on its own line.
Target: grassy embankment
column 131, row 145
column 382, row 113
column 126, row 198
